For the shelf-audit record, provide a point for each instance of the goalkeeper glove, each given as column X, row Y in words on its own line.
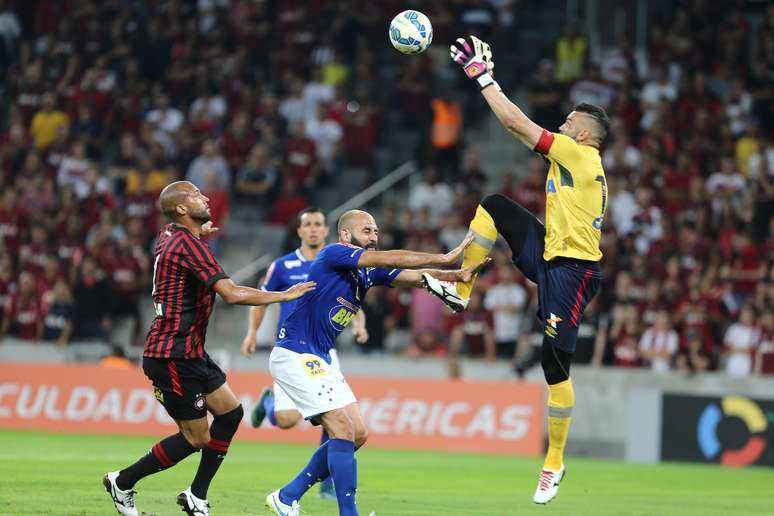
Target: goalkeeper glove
column 475, row 58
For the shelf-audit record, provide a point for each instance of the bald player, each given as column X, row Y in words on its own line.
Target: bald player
column 562, row 257
column 301, row 362
column 186, row 381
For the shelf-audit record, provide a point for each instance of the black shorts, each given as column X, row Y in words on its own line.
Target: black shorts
column 182, row 384
column 565, row 287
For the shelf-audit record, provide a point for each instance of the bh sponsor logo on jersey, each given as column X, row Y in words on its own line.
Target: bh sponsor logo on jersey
column 551, row 322
column 292, row 264
column 341, row 315
column 314, row 366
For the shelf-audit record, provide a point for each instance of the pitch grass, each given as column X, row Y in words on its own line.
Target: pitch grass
column 43, row 473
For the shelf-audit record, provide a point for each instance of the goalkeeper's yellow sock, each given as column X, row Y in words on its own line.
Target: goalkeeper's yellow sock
column 561, row 398
column 483, row 227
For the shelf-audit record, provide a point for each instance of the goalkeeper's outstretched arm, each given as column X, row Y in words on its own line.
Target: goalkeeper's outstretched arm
column 475, row 58
column 512, row 117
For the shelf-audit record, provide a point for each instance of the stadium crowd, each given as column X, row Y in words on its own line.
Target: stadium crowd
column 109, row 101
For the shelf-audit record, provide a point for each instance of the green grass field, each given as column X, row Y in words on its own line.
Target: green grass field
column 44, row 473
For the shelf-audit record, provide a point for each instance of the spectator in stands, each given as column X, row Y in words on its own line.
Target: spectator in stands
column 592, row 88
column 301, row 157
column 209, row 162
column 8, row 285
column 93, row 301
column 288, row 204
column 453, row 231
column 164, row 117
column 571, row 55
column 692, row 357
column 624, row 336
column 432, row 194
column 23, row 317
column 208, row 110
column 446, row 132
column 472, row 332
column 58, row 321
column 507, row 301
column 472, row 179
column 258, row 178
column 238, row 139
column 12, row 221
column 47, row 122
column 740, row 343
column 764, row 356
column 659, row 343
column 34, row 253
column 326, row 133
column 73, row 168
column 545, row 98
column 653, row 94
column 592, row 335
column 128, row 274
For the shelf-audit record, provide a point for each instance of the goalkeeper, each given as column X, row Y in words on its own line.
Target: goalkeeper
column 562, row 257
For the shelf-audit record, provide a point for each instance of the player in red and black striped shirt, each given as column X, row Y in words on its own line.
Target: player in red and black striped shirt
column 186, row 380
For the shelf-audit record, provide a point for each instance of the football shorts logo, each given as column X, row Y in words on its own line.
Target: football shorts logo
column 199, row 402
column 551, row 329
column 158, row 394
column 314, row 366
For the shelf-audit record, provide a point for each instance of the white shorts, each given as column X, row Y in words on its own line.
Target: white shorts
column 313, row 386
column 282, row 401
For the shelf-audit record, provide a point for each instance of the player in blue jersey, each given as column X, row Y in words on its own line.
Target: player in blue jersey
column 273, row 403
column 301, row 362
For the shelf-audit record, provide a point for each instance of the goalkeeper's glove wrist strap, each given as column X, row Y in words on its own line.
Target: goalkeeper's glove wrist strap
column 485, row 80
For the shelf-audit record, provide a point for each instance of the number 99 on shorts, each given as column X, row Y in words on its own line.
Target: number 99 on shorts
column 314, row 365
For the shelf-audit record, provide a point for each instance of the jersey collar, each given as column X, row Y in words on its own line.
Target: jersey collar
column 300, row 255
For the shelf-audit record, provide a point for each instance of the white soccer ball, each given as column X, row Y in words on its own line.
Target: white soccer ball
column 411, row 32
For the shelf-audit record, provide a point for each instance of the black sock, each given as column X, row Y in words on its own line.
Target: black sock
column 222, row 431
column 163, row 455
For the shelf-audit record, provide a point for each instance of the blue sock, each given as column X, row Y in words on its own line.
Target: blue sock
column 343, row 468
column 327, row 480
column 268, row 405
column 315, row 469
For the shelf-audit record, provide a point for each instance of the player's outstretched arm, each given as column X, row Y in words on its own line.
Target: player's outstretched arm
column 234, row 294
column 475, row 58
column 404, row 259
column 254, row 319
column 413, row 278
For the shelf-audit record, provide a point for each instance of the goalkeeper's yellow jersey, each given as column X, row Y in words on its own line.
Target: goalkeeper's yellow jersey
column 576, row 198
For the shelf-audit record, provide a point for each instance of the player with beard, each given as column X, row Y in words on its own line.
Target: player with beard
column 186, row 381
column 273, row 403
column 301, row 362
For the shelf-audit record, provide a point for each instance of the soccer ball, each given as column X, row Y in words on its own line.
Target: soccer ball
column 411, row 32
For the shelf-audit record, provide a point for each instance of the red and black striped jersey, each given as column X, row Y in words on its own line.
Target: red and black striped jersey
column 184, row 272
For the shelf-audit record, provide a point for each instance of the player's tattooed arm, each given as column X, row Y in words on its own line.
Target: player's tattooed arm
column 512, row 117
column 237, row 295
column 404, row 259
column 413, row 278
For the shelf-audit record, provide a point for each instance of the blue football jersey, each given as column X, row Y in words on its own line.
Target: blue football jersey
column 283, row 273
column 321, row 315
